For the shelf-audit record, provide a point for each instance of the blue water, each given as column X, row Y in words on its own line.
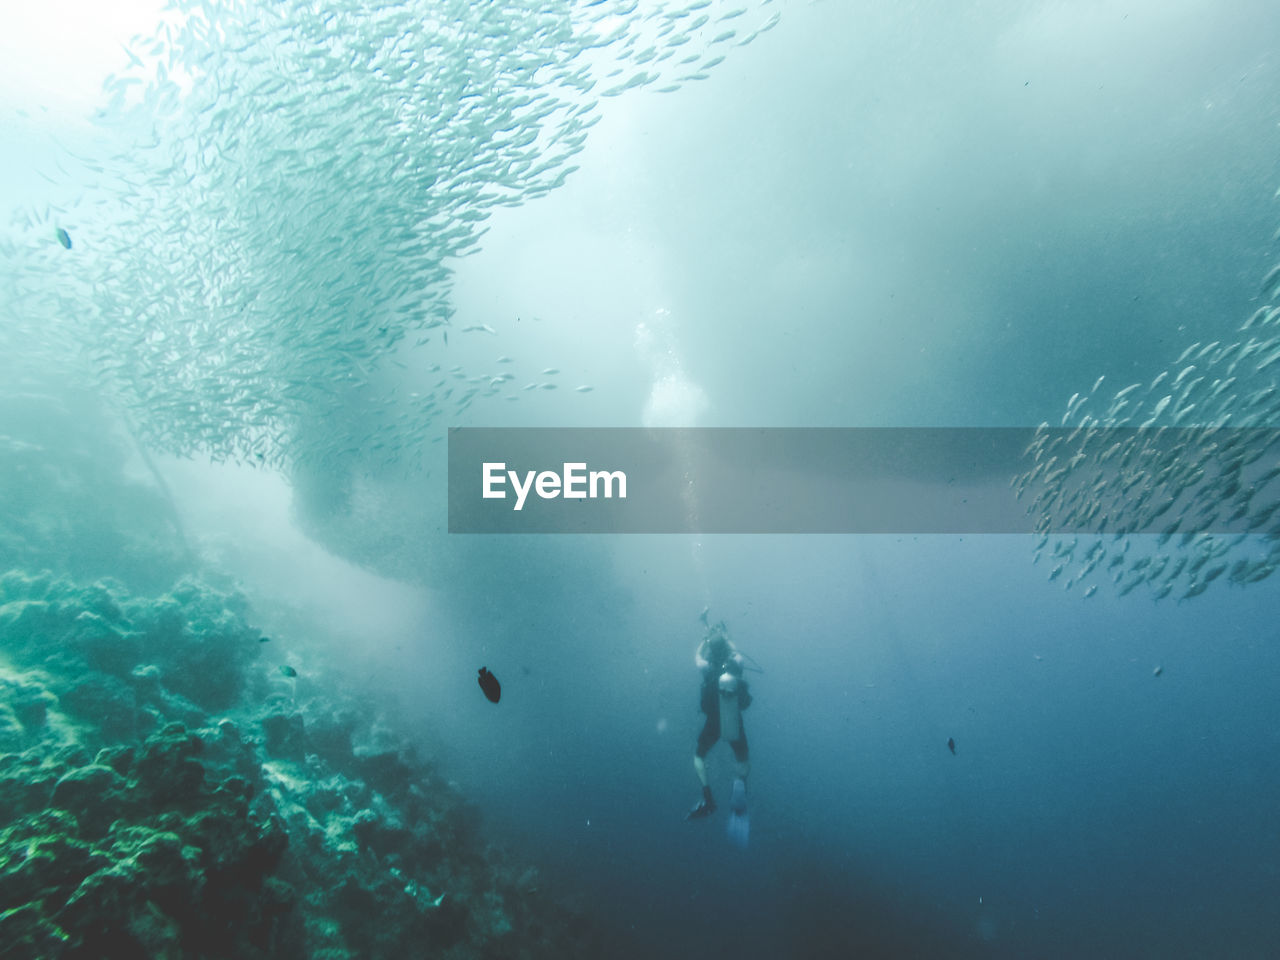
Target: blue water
column 952, row 244
column 1091, row 807
column 874, row 215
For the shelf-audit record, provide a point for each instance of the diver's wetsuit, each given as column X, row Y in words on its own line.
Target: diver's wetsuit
column 711, row 707
column 719, row 661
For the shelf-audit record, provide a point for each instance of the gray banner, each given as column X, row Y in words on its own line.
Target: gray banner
column 864, row 480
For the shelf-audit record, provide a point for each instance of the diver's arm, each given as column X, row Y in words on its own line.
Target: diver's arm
column 699, row 659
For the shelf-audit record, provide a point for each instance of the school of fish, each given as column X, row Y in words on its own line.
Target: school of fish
column 261, row 271
column 1190, row 460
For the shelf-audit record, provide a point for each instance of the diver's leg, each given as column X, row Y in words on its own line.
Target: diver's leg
column 739, row 824
column 706, row 740
column 742, row 755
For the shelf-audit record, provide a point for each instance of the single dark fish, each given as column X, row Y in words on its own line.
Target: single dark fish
column 64, row 238
column 263, row 639
column 951, row 744
column 288, row 671
column 490, row 685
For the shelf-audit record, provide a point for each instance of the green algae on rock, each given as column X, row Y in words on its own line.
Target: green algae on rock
column 144, row 825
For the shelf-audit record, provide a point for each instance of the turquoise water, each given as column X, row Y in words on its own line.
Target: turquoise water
column 253, row 281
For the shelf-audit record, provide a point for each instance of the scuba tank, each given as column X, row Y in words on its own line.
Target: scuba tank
column 730, row 718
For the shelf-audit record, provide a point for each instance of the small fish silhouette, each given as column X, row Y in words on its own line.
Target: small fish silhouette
column 64, row 238
column 288, row 671
column 489, row 684
column 951, row 744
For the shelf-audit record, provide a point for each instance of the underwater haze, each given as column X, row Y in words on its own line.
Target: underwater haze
column 260, row 258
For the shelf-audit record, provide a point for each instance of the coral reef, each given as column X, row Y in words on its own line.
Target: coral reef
column 169, row 796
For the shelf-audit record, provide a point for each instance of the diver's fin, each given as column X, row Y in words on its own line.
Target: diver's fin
column 700, row 810
column 739, row 822
column 704, row 807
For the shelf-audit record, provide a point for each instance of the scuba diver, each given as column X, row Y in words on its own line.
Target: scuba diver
column 724, row 696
